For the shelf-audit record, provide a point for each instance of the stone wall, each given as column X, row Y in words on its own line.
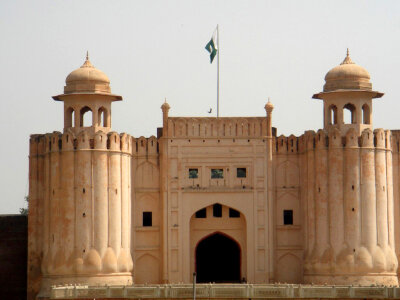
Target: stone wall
column 13, row 256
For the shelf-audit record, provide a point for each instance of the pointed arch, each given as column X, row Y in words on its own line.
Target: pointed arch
column 333, row 114
column 147, row 269
column 288, row 269
column 349, row 114
column 147, row 175
column 366, row 114
column 69, row 118
column 218, row 258
column 288, row 201
column 287, row 174
column 103, row 117
column 86, row 117
column 224, row 207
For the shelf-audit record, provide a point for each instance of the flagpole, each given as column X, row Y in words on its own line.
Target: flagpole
column 217, row 72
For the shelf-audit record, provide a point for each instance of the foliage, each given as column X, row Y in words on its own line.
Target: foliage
column 24, row 210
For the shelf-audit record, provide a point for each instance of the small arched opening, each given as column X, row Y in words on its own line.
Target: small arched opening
column 218, row 259
column 86, row 117
column 333, row 114
column 366, row 114
column 349, row 114
column 69, row 117
column 103, row 117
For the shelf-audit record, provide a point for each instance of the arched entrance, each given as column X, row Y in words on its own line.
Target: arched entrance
column 218, row 259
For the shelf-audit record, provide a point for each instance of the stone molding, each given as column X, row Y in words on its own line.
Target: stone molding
column 226, row 291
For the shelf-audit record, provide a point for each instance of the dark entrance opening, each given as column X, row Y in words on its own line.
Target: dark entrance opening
column 218, row 259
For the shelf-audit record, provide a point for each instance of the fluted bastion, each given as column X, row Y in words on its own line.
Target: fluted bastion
column 349, row 209
column 84, row 199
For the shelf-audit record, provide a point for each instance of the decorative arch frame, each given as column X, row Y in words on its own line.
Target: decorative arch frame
column 332, row 114
column 103, row 117
column 153, row 257
column 147, row 254
column 69, row 117
column 285, row 255
column 366, row 114
column 82, row 113
column 227, row 236
column 284, row 168
column 192, row 213
column 353, row 112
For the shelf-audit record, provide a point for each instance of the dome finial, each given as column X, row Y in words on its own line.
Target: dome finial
column 87, row 54
column 165, row 106
column 87, row 63
column 269, row 106
column 347, row 60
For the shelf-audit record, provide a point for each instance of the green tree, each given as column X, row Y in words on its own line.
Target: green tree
column 24, row 210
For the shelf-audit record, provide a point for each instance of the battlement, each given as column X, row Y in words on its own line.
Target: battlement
column 395, row 141
column 145, row 146
column 217, row 127
column 57, row 141
column 322, row 139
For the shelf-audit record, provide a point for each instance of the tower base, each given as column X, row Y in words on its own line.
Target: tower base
column 386, row 279
column 120, row 279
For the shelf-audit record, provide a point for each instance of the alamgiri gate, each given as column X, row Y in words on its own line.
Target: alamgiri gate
column 254, row 215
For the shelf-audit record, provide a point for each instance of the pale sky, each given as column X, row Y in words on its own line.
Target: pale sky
column 153, row 50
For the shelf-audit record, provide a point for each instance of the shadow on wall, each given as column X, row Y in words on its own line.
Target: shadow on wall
column 13, row 256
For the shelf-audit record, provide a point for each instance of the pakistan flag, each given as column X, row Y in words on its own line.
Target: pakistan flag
column 212, row 48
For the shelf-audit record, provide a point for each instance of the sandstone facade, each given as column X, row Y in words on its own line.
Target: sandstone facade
column 108, row 208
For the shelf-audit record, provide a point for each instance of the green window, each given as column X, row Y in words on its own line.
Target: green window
column 217, row 173
column 193, row 173
column 241, row 173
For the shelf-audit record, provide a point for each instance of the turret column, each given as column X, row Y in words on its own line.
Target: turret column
column 114, row 243
column 54, row 212
column 83, row 202
column 67, row 196
column 125, row 263
column 352, row 209
column 322, row 247
column 164, row 191
column 310, row 136
column 391, row 258
column 100, row 189
column 381, row 189
column 269, row 108
column 368, row 192
column 336, row 218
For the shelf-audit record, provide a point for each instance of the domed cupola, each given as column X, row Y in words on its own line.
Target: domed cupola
column 347, row 76
column 348, row 92
column 87, row 79
column 87, row 92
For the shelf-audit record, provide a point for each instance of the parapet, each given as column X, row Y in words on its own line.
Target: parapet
column 181, row 127
column 57, row 141
column 332, row 138
column 112, row 141
column 145, row 146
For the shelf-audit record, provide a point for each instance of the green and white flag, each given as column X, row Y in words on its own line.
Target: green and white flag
column 211, row 47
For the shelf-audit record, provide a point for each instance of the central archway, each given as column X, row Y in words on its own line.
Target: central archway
column 218, row 259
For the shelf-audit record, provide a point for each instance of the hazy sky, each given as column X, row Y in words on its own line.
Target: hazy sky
column 155, row 49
